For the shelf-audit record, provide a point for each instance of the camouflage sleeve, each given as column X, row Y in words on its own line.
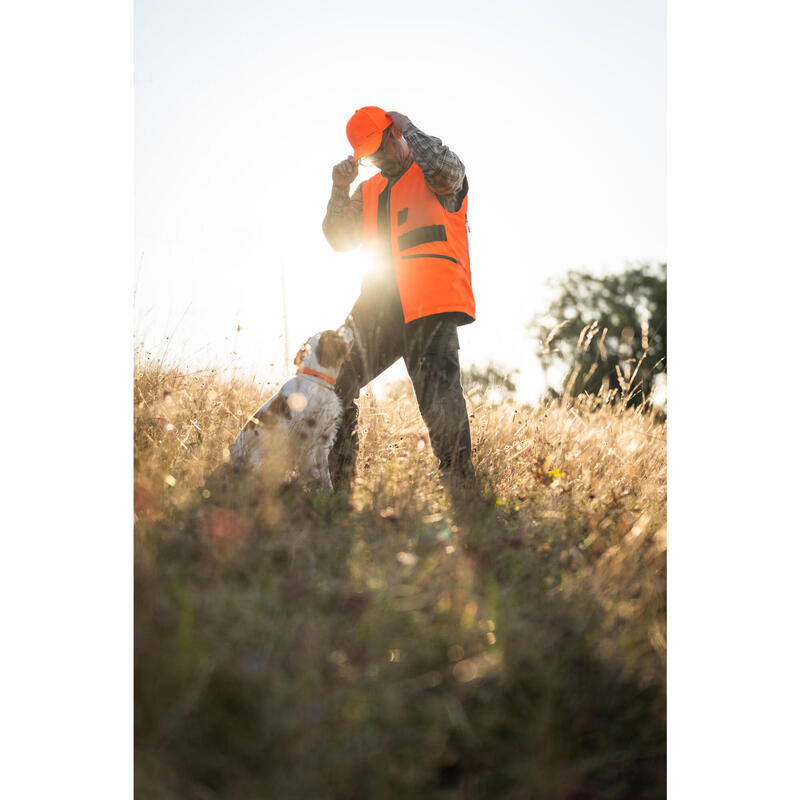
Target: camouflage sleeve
column 442, row 168
column 342, row 223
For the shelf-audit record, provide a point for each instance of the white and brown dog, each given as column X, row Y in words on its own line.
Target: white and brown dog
column 296, row 428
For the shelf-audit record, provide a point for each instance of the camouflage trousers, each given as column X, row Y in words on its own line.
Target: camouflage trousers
column 429, row 347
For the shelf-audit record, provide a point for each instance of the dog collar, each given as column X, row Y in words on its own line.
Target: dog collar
column 307, row 371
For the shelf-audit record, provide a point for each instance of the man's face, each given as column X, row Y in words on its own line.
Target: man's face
column 391, row 155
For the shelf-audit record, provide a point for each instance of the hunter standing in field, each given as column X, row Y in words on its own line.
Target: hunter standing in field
column 412, row 216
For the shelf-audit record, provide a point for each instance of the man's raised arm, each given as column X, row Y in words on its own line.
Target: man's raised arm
column 343, row 221
column 441, row 167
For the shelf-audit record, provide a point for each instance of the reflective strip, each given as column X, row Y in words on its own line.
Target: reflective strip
column 429, row 233
column 431, row 255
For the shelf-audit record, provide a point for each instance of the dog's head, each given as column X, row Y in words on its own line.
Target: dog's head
column 326, row 351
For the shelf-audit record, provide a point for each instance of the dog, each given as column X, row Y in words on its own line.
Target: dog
column 295, row 429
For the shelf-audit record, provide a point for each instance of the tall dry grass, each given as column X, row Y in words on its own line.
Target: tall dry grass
column 400, row 642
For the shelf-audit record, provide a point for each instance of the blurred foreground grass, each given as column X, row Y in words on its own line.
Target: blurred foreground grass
column 398, row 644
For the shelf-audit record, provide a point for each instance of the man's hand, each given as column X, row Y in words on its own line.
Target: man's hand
column 401, row 120
column 345, row 172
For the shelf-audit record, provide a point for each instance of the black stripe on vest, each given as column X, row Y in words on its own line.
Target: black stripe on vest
column 431, row 255
column 429, row 233
column 383, row 226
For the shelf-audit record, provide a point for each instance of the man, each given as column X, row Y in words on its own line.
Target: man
column 413, row 218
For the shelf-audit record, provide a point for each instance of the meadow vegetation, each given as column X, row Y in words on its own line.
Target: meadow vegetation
column 400, row 642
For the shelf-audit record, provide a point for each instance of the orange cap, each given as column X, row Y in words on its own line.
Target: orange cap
column 365, row 130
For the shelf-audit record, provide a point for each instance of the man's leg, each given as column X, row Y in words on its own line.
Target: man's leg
column 431, row 357
column 377, row 323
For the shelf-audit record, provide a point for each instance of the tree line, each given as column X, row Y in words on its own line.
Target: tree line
column 600, row 334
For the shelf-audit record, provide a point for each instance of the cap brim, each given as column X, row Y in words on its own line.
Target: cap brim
column 370, row 144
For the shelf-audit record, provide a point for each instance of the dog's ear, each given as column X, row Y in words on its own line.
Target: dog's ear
column 301, row 354
column 332, row 350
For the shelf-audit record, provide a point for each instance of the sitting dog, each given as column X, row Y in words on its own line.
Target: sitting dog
column 296, row 428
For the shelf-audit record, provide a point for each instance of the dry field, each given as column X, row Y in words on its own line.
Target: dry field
column 399, row 643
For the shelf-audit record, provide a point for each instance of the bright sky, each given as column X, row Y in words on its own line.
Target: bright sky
column 558, row 111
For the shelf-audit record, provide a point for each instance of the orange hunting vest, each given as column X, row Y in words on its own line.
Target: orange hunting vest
column 429, row 248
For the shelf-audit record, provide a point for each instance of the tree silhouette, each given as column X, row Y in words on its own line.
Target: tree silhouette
column 607, row 334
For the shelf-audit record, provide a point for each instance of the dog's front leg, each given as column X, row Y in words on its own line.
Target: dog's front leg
column 326, row 475
column 321, row 472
